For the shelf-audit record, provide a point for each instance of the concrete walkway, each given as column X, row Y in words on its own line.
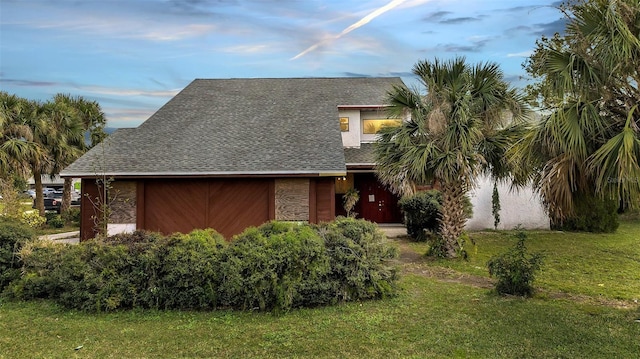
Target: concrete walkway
column 67, row 237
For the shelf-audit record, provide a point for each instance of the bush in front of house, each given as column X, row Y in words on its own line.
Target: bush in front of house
column 592, row 214
column 360, row 262
column 515, row 269
column 422, row 214
column 13, row 235
column 277, row 266
column 266, row 267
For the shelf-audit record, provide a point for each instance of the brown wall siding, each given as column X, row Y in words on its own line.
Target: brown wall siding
column 322, row 200
column 292, row 199
column 89, row 209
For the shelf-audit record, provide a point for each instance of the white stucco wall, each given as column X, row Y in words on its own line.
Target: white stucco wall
column 517, row 207
column 351, row 138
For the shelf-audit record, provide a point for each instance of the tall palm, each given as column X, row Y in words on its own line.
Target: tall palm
column 73, row 118
column 16, row 143
column 456, row 128
column 589, row 144
column 21, row 148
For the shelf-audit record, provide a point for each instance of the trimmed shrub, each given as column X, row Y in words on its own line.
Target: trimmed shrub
column 54, row 220
column 592, row 214
column 359, row 258
column 276, row 266
column 72, row 216
column 515, row 269
column 190, row 271
column 266, row 267
column 13, row 235
column 422, row 213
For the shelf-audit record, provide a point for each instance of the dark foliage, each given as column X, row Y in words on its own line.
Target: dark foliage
column 592, row 214
column 277, row 266
column 13, row 235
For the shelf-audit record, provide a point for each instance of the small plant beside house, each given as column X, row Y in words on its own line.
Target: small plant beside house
column 515, row 269
column 349, row 201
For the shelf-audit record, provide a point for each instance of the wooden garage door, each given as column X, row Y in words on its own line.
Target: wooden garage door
column 228, row 206
column 175, row 206
column 236, row 205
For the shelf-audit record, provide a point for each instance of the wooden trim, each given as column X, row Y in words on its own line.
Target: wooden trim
column 313, row 210
column 140, row 205
column 272, row 200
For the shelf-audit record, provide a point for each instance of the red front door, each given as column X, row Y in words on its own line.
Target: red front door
column 377, row 204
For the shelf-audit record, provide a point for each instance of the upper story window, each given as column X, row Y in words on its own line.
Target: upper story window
column 372, row 126
column 344, row 124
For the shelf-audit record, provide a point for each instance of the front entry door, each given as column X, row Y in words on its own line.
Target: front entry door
column 377, row 204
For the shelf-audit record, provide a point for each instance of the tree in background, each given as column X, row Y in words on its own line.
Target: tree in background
column 43, row 138
column 79, row 125
column 21, row 150
column 588, row 145
column 459, row 126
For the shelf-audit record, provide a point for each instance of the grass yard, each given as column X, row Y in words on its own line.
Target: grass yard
column 586, row 307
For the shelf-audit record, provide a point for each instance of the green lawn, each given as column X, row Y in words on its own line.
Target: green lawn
column 584, row 308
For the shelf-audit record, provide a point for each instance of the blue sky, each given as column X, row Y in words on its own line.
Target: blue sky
column 132, row 56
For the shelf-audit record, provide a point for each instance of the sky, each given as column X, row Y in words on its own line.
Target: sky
column 132, row 56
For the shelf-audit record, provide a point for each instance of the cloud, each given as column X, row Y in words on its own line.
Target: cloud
column 550, row 28
column 358, row 24
column 111, row 91
column 459, row 20
column 29, row 83
column 521, row 54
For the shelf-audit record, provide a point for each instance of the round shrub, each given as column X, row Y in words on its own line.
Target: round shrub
column 13, row 235
column 422, row 213
column 54, row 220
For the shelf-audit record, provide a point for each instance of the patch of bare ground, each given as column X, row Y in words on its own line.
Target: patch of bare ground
column 415, row 263
column 412, row 262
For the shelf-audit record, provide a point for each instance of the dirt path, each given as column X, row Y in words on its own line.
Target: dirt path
column 415, row 263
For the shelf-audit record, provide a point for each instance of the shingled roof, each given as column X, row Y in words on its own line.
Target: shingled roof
column 227, row 127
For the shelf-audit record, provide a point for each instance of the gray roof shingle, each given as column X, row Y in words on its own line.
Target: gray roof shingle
column 238, row 127
column 360, row 156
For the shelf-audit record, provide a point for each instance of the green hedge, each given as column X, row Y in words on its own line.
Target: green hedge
column 592, row 214
column 13, row 235
column 277, row 266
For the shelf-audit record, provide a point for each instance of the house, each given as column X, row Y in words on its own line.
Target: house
column 233, row 153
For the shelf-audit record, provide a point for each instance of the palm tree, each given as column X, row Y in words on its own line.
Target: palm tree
column 589, row 144
column 73, row 118
column 458, row 127
column 20, row 147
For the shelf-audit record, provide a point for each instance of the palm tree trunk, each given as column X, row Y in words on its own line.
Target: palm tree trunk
column 453, row 218
column 66, row 196
column 37, row 178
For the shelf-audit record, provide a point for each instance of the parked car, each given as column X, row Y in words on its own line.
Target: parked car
column 31, row 193
column 53, row 201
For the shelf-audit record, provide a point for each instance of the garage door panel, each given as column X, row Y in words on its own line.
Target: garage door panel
column 175, row 206
column 236, row 205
